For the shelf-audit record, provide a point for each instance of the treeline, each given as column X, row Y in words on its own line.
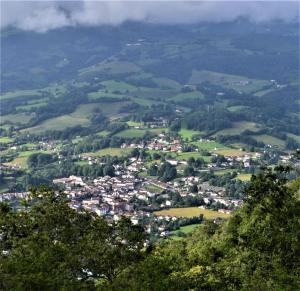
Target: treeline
column 210, row 119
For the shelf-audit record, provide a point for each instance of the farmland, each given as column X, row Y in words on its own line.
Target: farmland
column 191, row 212
column 135, row 123
column 235, row 82
column 244, row 177
column 208, row 145
column 6, row 140
column 230, row 152
column 21, row 159
column 20, row 93
column 186, row 155
column 238, row 128
column 122, row 87
column 188, row 134
column 59, row 123
column 268, row 139
column 18, row 118
column 131, row 133
column 108, row 151
column 184, row 229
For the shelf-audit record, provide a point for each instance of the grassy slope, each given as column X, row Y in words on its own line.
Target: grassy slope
column 191, row 211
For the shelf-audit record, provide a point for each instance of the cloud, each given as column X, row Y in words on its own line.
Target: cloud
column 42, row 16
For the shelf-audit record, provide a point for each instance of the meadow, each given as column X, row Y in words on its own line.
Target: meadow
column 188, row 95
column 235, row 82
column 184, row 229
column 208, row 145
column 135, row 123
column 58, row 123
column 21, row 159
column 108, row 151
column 244, row 177
column 186, row 155
column 188, row 133
column 134, row 132
column 19, row 93
column 230, row 152
column 191, row 212
column 111, row 67
column 238, row 127
column 122, row 87
column 153, row 188
column 6, row 139
column 18, row 118
column 269, row 140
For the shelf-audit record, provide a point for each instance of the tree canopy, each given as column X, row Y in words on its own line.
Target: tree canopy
column 49, row 246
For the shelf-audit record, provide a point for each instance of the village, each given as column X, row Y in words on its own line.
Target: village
column 133, row 191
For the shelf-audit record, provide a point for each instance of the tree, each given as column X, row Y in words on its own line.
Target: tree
column 257, row 249
column 109, row 171
column 152, row 171
column 189, row 171
column 194, row 188
column 52, row 247
column 167, row 172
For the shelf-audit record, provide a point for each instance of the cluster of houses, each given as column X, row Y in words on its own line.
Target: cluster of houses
column 162, row 143
column 210, row 194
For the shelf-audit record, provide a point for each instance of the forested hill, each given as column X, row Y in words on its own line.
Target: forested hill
column 255, row 50
column 49, row 246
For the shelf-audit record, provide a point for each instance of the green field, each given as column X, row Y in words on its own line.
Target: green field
column 268, row 139
column 186, row 155
column 79, row 117
column 153, row 188
column 134, row 132
column 112, row 67
column 188, row 95
column 191, row 212
column 295, row 137
column 264, row 92
column 238, row 128
column 19, row 118
column 109, row 109
column 238, row 108
column 6, row 139
column 244, row 177
column 21, row 159
column 122, row 87
column 108, row 151
column 143, row 101
column 223, row 172
column 103, row 133
column 230, row 152
column 59, row 123
column 102, row 94
column 38, row 103
column 20, row 93
column 208, row 145
column 135, row 123
column 238, row 83
column 167, row 83
column 184, row 229
column 188, row 133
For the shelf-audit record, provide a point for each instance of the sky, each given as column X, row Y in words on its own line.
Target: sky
column 41, row 16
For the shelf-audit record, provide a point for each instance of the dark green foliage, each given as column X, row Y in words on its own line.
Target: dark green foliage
column 257, row 249
column 210, row 120
column 108, row 171
column 40, row 159
column 167, row 172
column 152, row 171
column 52, row 247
